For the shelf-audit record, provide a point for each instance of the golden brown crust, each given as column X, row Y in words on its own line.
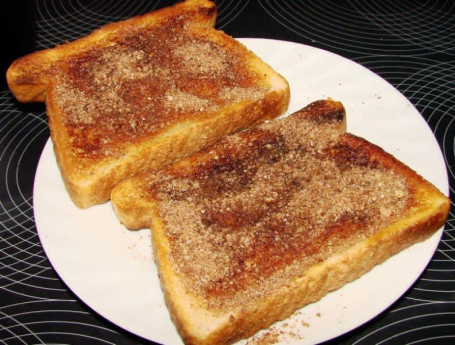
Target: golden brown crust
column 268, row 220
column 29, row 76
column 141, row 93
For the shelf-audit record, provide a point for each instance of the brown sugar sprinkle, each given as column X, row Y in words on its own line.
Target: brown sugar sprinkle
column 280, row 332
column 269, row 337
column 239, row 219
column 147, row 81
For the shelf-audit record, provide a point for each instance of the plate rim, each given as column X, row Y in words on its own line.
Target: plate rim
column 48, row 147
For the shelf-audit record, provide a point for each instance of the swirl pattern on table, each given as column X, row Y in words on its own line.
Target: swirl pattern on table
column 58, row 22
column 365, row 27
column 24, row 267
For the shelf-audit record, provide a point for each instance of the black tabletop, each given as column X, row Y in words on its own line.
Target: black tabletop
column 411, row 44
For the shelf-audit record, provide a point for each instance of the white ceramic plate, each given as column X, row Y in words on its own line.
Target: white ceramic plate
column 111, row 269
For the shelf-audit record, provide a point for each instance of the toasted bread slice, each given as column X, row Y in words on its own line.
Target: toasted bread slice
column 268, row 220
column 141, row 93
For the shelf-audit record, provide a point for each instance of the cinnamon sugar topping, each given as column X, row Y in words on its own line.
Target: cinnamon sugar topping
column 270, row 200
column 147, row 81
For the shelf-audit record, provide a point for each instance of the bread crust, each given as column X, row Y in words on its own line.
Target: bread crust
column 142, row 93
column 29, row 76
column 346, row 249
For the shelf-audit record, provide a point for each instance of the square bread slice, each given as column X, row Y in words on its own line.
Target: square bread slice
column 270, row 219
column 141, row 93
